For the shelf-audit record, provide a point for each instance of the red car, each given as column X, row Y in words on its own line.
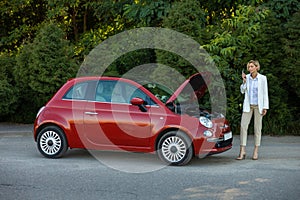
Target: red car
column 109, row 113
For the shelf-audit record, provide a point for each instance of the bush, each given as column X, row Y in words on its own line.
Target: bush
column 42, row 68
column 8, row 98
column 7, row 90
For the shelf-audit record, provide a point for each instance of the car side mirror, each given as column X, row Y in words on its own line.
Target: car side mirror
column 136, row 101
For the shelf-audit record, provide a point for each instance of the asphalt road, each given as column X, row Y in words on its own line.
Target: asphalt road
column 25, row 174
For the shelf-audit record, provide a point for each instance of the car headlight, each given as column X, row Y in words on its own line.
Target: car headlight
column 206, row 122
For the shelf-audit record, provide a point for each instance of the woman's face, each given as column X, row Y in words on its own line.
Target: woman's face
column 252, row 68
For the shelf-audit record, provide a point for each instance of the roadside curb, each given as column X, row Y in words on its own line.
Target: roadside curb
column 14, row 134
column 12, row 129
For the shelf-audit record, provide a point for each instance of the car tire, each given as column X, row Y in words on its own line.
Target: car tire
column 175, row 148
column 52, row 142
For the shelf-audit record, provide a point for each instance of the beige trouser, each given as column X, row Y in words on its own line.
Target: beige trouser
column 246, row 118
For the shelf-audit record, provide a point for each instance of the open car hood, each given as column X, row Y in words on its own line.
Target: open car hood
column 195, row 86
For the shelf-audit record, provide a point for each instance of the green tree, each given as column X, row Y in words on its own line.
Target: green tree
column 146, row 12
column 19, row 21
column 78, row 17
column 69, row 14
column 232, row 31
column 44, row 65
column 291, row 62
column 7, row 91
column 290, row 72
column 28, row 103
column 102, row 19
column 283, row 9
column 223, row 9
column 235, row 42
column 188, row 18
column 274, row 52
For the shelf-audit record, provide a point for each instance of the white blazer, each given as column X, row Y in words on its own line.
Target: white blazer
column 263, row 98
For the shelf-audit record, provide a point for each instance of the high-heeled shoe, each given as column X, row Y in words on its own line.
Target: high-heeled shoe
column 255, row 153
column 241, row 157
column 255, row 158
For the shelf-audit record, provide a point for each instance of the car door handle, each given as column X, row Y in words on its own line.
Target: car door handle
column 91, row 113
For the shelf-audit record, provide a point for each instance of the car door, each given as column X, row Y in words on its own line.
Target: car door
column 112, row 122
column 71, row 108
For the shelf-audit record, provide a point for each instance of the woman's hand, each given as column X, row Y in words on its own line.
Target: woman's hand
column 264, row 112
column 244, row 77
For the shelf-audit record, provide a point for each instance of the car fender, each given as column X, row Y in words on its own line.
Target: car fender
column 167, row 129
column 45, row 119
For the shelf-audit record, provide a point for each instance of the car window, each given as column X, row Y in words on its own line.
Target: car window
column 133, row 92
column 104, row 90
column 78, row 91
column 119, row 92
column 161, row 92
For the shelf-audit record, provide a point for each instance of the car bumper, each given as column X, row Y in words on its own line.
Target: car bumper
column 216, row 145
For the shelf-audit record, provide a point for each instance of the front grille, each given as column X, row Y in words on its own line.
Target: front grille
column 222, row 144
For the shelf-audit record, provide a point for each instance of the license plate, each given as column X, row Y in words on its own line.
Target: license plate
column 227, row 136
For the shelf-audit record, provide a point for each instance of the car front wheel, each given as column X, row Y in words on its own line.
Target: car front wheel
column 175, row 148
column 51, row 142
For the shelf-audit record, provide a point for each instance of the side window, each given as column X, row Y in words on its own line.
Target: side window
column 104, row 91
column 111, row 91
column 119, row 92
column 133, row 91
column 78, row 91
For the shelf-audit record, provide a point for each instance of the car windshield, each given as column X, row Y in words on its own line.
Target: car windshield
column 186, row 95
column 161, row 92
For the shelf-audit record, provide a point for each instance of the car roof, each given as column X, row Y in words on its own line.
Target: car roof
column 87, row 78
column 98, row 78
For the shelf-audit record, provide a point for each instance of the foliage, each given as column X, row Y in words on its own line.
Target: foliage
column 290, row 66
column 147, row 12
column 27, row 104
column 51, row 60
column 69, row 13
column 43, row 42
column 185, row 17
column 234, row 43
column 282, row 9
column 44, row 65
column 141, row 13
column 7, row 90
column 101, row 20
column 291, row 47
column 224, row 9
column 19, row 21
column 8, row 98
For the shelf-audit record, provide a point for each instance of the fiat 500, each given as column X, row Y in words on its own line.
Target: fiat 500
column 110, row 113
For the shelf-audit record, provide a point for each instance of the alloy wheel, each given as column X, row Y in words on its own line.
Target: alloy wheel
column 50, row 142
column 173, row 149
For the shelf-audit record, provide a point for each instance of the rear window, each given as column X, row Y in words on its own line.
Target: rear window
column 78, row 91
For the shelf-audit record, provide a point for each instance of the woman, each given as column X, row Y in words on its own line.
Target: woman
column 255, row 88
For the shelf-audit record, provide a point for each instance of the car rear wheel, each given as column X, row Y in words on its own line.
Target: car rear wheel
column 51, row 142
column 175, row 148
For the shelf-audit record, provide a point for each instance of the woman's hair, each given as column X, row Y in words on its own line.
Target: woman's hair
column 254, row 62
